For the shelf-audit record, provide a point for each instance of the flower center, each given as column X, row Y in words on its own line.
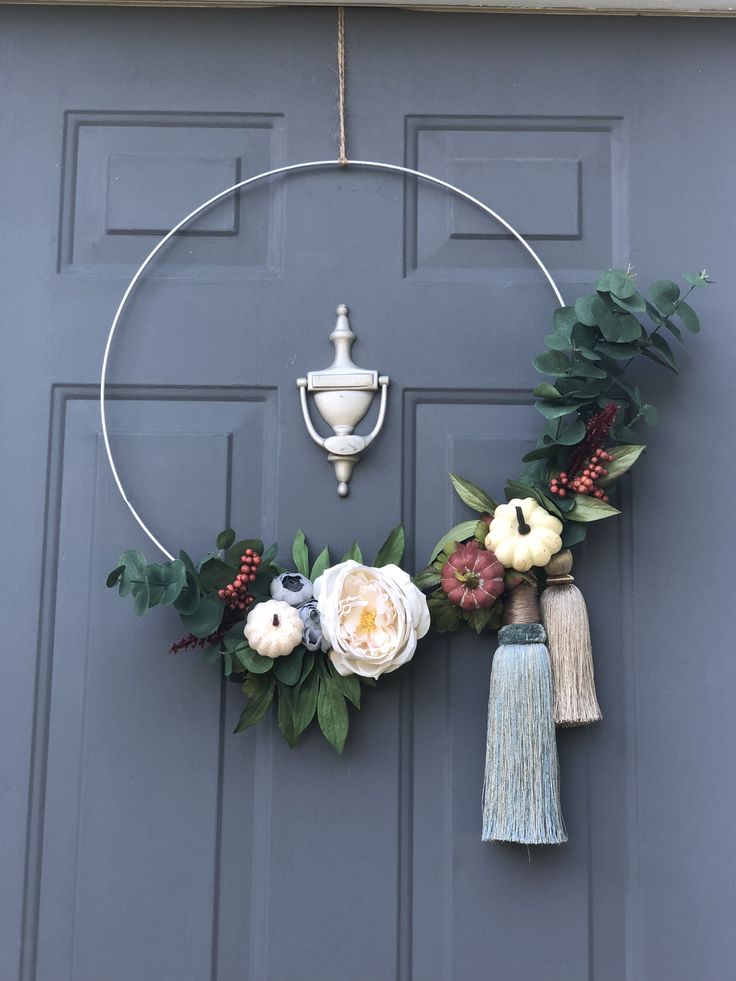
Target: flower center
column 367, row 619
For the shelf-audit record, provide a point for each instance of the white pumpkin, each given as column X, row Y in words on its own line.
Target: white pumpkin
column 523, row 534
column 273, row 628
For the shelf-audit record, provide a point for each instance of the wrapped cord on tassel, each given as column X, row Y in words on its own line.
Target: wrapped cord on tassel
column 568, row 638
column 521, row 792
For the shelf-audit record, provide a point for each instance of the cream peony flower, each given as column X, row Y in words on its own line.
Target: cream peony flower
column 371, row 617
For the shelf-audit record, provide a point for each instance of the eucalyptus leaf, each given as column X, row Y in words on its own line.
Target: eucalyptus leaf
column 619, row 352
column 288, row 669
column 663, row 350
column 558, row 341
column 658, row 359
column 188, row 564
column 618, row 282
column 546, row 391
column 573, row 533
column 688, row 316
column 633, row 304
column 620, row 327
column 585, row 370
column 554, row 410
column 227, row 664
column 233, row 554
column 650, row 415
column 392, row 550
column 665, row 294
column 226, row 538
column 571, row 433
column 590, row 509
column 206, row 618
column 188, row 599
column 472, row 495
column 215, row 574
column 255, row 663
column 300, row 554
column 115, row 576
column 540, row 453
column 140, row 598
column 552, row 363
column 460, row 533
column 134, row 570
column 584, row 310
column 563, row 320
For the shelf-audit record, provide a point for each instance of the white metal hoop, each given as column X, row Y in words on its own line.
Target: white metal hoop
column 289, row 169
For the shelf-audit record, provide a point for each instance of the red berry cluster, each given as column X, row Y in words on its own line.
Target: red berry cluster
column 236, row 593
column 584, row 481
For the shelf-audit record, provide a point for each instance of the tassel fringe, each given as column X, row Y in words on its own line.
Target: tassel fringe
column 521, row 794
column 568, row 639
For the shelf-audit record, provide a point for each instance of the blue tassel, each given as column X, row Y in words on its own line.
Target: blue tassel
column 521, row 793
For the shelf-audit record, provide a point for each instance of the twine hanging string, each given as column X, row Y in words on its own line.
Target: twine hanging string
column 342, row 138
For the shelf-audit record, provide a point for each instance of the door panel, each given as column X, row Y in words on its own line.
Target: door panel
column 144, row 840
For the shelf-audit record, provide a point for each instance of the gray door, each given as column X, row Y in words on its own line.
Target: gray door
column 141, row 841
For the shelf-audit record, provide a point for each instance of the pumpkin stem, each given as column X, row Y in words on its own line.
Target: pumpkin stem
column 275, row 619
column 524, row 528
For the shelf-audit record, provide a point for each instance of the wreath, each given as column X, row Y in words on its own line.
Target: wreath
column 310, row 637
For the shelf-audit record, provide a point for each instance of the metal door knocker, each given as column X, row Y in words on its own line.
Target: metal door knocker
column 343, row 393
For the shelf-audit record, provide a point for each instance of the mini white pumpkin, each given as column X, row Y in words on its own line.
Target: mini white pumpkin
column 523, row 534
column 273, row 628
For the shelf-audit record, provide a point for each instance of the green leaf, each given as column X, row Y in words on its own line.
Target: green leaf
column 664, row 350
column 460, row 533
column 392, row 550
column 624, row 458
column 114, row 577
column 673, row 328
column 332, row 712
column 234, row 637
column 175, row 577
column 306, row 702
column 665, row 294
column 215, row 574
column 226, row 538
column 233, row 554
column 212, row 653
column 354, row 553
column 589, row 355
column 321, row 563
column 427, row 579
column 472, row 495
column 620, row 327
column 590, row 509
column 479, row 619
column 300, row 553
column 206, row 618
column 445, row 616
column 585, row 311
column 259, row 692
column 255, row 663
column 546, row 391
column 288, row 669
column 552, row 363
column 227, row 664
column 632, row 304
column 554, row 410
column 285, row 714
column 558, row 341
column 688, row 316
column 571, row 433
column 349, row 686
column 573, row 533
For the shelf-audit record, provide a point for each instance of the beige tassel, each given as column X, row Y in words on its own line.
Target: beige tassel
column 568, row 639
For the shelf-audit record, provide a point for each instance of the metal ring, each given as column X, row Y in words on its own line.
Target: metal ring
column 290, row 169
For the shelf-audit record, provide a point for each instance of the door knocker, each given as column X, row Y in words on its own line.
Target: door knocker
column 343, row 394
